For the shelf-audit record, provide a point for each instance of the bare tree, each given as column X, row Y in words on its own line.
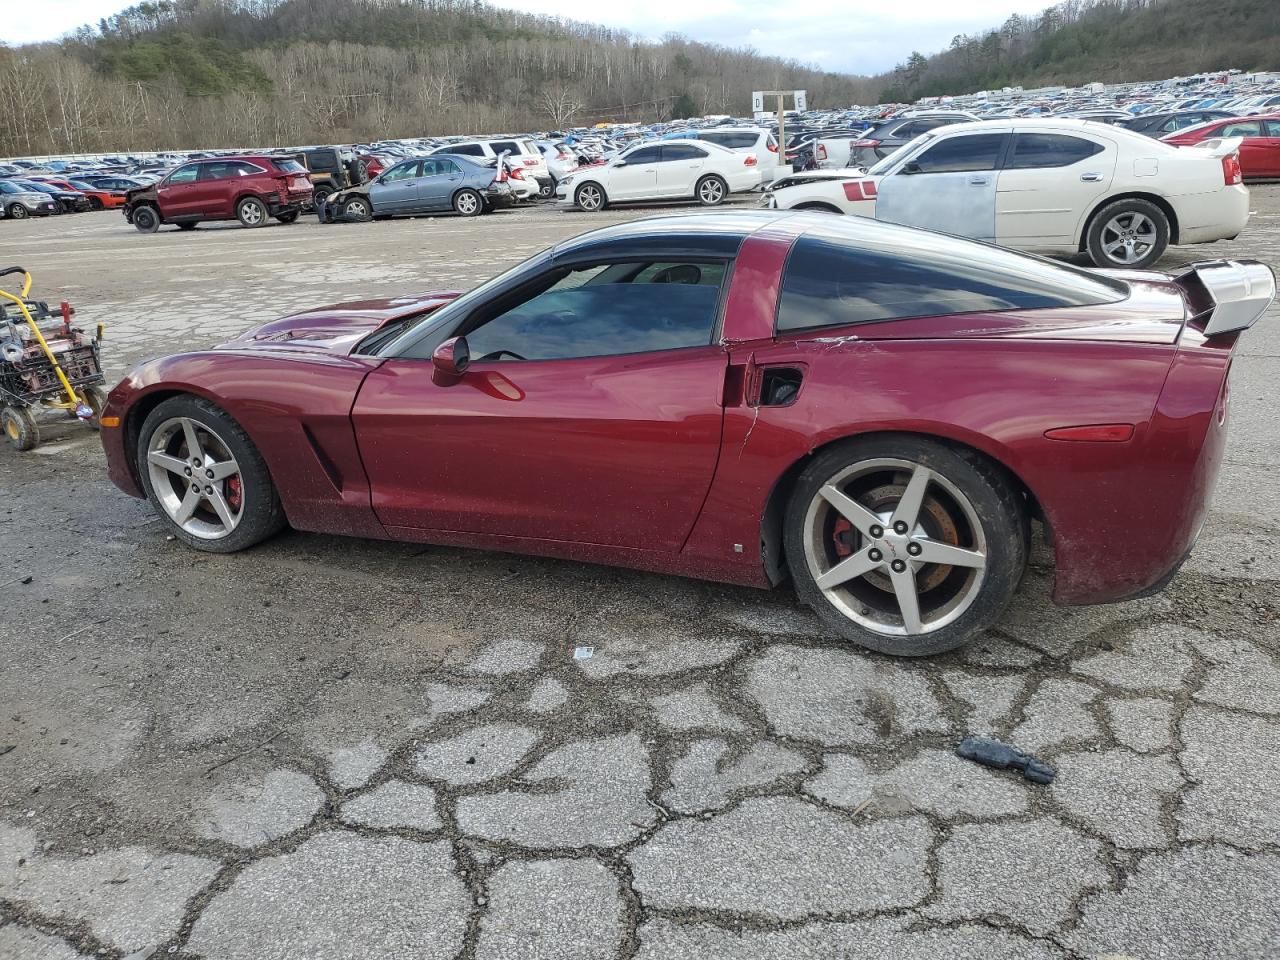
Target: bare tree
column 561, row 106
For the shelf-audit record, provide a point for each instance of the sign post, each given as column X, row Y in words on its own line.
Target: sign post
column 801, row 100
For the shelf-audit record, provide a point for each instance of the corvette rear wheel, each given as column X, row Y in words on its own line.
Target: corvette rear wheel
column 905, row 545
column 205, row 477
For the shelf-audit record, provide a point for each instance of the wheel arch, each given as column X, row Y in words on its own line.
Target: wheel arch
column 771, row 534
column 818, row 205
column 1165, row 206
column 140, row 409
column 244, row 195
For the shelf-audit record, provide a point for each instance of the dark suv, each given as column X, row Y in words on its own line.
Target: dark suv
column 878, row 142
column 251, row 189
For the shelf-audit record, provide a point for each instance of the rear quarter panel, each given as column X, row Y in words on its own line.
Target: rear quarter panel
column 998, row 397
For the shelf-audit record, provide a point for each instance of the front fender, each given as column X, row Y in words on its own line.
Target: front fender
column 295, row 409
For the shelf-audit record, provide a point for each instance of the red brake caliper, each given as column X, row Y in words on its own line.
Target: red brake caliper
column 842, row 534
column 234, row 492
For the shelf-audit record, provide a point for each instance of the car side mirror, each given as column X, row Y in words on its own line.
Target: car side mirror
column 912, row 167
column 619, row 163
column 450, row 361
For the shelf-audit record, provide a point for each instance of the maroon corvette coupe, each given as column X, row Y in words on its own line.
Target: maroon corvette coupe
column 872, row 411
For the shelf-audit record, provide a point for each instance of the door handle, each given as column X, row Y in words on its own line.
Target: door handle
column 979, row 181
column 1091, row 177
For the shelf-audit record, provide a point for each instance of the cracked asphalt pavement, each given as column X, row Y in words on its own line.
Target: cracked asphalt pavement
column 335, row 748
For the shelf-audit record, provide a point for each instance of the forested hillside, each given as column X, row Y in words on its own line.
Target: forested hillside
column 1079, row 41
column 193, row 73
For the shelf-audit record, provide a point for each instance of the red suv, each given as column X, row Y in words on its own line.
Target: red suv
column 251, row 189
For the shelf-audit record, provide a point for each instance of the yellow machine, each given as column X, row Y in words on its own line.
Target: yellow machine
column 44, row 361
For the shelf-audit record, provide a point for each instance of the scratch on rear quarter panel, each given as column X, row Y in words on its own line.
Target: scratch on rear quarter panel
column 754, row 419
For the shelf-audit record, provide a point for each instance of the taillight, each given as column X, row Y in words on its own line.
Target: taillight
column 530, row 161
column 773, row 148
column 749, row 160
column 517, row 174
column 822, row 152
column 1231, row 172
column 502, row 174
column 866, row 143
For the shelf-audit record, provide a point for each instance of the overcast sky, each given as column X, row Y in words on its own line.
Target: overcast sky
column 862, row 38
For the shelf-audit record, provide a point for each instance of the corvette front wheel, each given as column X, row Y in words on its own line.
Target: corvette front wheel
column 905, row 545
column 205, row 477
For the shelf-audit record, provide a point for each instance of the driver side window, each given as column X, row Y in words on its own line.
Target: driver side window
column 605, row 310
column 185, row 174
column 406, row 172
column 966, row 153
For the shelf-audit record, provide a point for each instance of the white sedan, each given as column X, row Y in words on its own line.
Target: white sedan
column 668, row 170
column 1054, row 186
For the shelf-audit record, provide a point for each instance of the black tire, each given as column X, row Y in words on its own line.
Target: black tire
column 590, row 197
column 711, row 190
column 320, row 195
column 357, row 208
column 546, row 190
column 996, row 505
column 189, row 225
column 146, row 218
column 262, row 515
column 19, row 428
column 95, row 203
column 18, row 212
column 252, row 212
column 289, row 216
column 96, row 398
column 1106, row 241
column 468, row 203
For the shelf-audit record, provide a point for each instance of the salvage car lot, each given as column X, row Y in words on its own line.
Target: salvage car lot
column 432, row 752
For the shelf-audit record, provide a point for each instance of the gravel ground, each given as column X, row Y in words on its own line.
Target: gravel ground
column 343, row 748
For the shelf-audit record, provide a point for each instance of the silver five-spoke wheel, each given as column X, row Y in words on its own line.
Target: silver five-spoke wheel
column 711, row 191
column 195, row 477
column 895, row 546
column 1128, row 237
column 590, row 197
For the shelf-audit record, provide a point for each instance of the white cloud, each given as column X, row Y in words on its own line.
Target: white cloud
column 863, row 39
column 30, row 22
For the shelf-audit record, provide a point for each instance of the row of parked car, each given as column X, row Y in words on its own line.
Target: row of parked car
column 703, row 160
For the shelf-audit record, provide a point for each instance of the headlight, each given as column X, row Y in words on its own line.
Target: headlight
column 565, row 181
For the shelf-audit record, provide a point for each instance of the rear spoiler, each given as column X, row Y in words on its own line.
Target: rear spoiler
column 1227, row 296
column 1217, row 147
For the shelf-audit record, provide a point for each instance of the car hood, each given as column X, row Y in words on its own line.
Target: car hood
column 336, row 329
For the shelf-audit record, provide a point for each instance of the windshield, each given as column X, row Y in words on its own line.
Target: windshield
column 887, row 164
column 458, row 307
